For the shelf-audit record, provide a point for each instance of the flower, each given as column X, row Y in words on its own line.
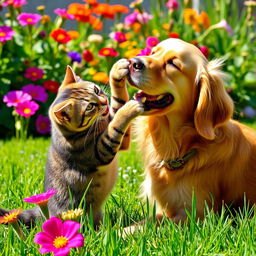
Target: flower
column 73, row 34
column 101, row 77
column 144, row 17
column 28, row 18
column 94, row 38
column 172, row 4
column 151, row 41
column 37, row 92
column 51, row 86
column 72, row 214
column 41, row 199
column 60, row 35
column 173, row 35
column 108, row 52
column 6, row 33
column 95, row 23
column 190, row 16
column 75, row 56
column 43, row 124
column 203, row 20
column 27, row 108
column 130, row 19
column 135, row 3
column 87, row 55
column 64, row 14
column 104, row 10
column 144, row 52
column 81, row 12
column 58, row 237
column 14, row 3
column 204, row 49
column 34, row 73
column 118, row 36
column 119, row 8
column 45, row 19
column 91, row 2
column 10, row 217
column 223, row 24
column 13, row 98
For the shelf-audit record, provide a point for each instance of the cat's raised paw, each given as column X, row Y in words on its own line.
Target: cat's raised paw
column 119, row 70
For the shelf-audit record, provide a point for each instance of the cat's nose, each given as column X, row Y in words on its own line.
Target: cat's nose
column 104, row 100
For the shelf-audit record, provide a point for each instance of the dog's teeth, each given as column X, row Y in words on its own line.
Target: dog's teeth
column 159, row 97
column 143, row 100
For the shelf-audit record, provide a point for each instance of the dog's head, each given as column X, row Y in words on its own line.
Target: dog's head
column 176, row 78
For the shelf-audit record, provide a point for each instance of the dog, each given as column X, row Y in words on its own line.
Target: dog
column 191, row 144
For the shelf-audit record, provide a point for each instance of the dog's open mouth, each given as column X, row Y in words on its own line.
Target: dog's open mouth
column 154, row 101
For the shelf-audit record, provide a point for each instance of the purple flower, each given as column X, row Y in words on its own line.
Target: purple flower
column 43, row 124
column 37, row 92
column 144, row 52
column 172, row 4
column 130, row 19
column 14, row 3
column 28, row 19
column 34, row 73
column 118, row 36
column 223, row 24
column 152, row 41
column 6, row 33
column 75, row 56
column 13, row 98
column 27, row 108
column 63, row 13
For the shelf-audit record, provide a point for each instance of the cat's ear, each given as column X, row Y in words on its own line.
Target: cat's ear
column 70, row 77
column 64, row 112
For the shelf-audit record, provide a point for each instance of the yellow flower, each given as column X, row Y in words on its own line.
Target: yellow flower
column 190, row 16
column 40, row 7
column 131, row 53
column 166, row 26
column 101, row 77
column 155, row 32
column 72, row 214
column 91, row 71
column 94, row 62
column 10, row 217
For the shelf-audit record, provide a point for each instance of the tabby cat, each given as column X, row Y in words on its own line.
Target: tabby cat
column 86, row 136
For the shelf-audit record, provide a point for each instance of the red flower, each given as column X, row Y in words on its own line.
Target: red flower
column 87, row 55
column 51, row 86
column 173, row 35
column 60, row 35
column 108, row 52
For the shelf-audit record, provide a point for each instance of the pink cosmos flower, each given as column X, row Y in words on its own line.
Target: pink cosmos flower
column 144, row 52
column 172, row 4
column 34, row 73
column 144, row 17
column 43, row 124
column 223, row 24
column 28, row 18
column 118, row 36
column 6, row 33
column 14, row 3
column 37, row 92
column 152, row 41
column 27, row 108
column 41, row 199
column 59, row 237
column 14, row 98
column 63, row 13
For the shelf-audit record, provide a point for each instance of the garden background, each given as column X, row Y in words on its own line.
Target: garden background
column 35, row 47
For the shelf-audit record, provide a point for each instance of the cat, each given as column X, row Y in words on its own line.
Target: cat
column 86, row 135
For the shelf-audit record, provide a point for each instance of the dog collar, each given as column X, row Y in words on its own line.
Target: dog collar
column 177, row 163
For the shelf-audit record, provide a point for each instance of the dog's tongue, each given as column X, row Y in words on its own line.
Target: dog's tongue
column 142, row 94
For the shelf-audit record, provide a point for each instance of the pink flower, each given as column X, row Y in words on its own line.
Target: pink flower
column 58, row 237
column 118, row 36
column 6, row 33
column 37, row 92
column 27, row 108
column 63, row 13
column 14, row 3
column 13, row 98
column 43, row 124
column 223, row 24
column 144, row 17
column 152, row 41
column 41, row 199
column 204, row 49
column 34, row 73
column 130, row 19
column 172, row 4
column 144, row 52
column 28, row 19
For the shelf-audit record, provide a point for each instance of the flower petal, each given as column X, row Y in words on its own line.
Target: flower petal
column 43, row 239
column 61, row 251
column 70, row 228
column 76, row 241
column 53, row 227
column 44, row 250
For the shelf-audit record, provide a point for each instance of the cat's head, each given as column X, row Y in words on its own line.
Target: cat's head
column 78, row 103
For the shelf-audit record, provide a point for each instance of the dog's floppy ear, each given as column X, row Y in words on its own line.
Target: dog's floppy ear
column 214, row 106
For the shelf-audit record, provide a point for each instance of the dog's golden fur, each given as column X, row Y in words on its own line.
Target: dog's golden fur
column 224, row 168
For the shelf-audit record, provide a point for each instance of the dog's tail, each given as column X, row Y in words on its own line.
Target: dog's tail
column 27, row 217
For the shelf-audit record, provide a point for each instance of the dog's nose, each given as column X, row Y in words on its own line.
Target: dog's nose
column 137, row 64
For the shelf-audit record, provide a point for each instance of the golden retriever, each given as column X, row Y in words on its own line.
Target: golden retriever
column 188, row 138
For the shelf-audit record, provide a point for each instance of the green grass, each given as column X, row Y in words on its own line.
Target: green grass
column 22, row 174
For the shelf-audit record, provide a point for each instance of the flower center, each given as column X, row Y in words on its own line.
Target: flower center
column 2, row 34
column 106, row 52
column 60, row 242
column 33, row 74
column 27, row 110
column 29, row 19
column 61, row 37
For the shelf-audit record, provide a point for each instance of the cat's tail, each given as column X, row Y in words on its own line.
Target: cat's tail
column 27, row 217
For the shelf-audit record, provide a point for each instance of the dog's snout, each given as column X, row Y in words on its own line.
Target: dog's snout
column 137, row 64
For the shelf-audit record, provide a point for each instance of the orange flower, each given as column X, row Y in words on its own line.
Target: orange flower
column 108, row 52
column 73, row 34
column 190, row 16
column 204, row 20
column 118, row 8
column 45, row 19
column 104, row 10
column 80, row 11
column 91, row 2
column 101, row 77
column 10, row 217
column 95, row 23
column 60, row 35
column 136, row 27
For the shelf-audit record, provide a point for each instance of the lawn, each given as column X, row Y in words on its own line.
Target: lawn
column 22, row 174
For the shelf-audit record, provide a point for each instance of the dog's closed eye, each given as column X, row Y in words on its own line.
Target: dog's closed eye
column 175, row 63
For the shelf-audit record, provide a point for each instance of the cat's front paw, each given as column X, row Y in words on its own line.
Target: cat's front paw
column 119, row 70
column 135, row 107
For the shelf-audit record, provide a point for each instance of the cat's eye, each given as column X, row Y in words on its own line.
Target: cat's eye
column 174, row 63
column 90, row 107
column 96, row 90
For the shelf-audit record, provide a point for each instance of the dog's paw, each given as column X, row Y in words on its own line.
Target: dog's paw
column 119, row 70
